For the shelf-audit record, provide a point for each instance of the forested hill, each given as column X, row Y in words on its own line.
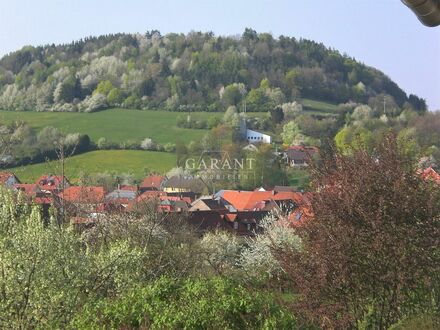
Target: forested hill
column 197, row 71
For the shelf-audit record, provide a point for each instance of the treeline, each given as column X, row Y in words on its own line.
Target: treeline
column 22, row 145
column 197, row 71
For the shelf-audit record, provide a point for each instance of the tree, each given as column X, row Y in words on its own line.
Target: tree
column 48, row 137
column 276, row 115
column 428, row 129
column 180, row 70
column 67, row 90
column 148, row 144
column 93, row 103
column 231, row 116
column 102, row 143
column 383, row 104
column 104, row 87
column 291, row 133
column 213, row 122
column 370, row 255
column 361, row 114
column 232, row 94
column 418, row 103
column 114, row 97
column 292, row 109
column 256, row 100
column 45, row 270
column 168, row 303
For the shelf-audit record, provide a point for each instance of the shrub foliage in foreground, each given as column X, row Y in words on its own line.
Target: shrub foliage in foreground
column 371, row 255
column 191, row 304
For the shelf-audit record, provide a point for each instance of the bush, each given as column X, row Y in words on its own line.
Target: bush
column 214, row 122
column 93, row 103
column 371, row 254
column 189, row 304
column 102, row 143
column 130, row 145
column 148, row 144
column 170, row 147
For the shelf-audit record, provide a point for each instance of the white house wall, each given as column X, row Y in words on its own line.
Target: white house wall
column 257, row 137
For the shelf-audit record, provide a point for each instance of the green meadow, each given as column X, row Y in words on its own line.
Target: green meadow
column 116, row 125
column 134, row 162
column 319, row 109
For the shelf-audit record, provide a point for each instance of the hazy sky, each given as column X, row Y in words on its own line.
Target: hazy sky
column 381, row 33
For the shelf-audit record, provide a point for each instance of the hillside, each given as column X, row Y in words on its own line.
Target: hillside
column 177, row 72
column 133, row 162
column 115, row 125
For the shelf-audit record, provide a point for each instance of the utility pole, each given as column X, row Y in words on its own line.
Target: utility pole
column 384, row 104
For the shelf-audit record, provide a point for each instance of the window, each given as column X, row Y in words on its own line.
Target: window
column 235, row 225
column 248, row 226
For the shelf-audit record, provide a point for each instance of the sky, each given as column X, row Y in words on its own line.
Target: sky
column 380, row 33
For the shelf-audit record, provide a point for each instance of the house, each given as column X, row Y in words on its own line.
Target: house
column 258, row 200
column 29, row 189
column 299, row 156
column 158, row 201
column 208, row 203
column 152, row 182
column 129, row 187
column 82, row 201
column 246, row 223
column 119, row 199
column 52, row 183
column 8, row 179
column 257, row 137
column 240, row 223
column 252, row 136
column 207, row 221
column 182, row 184
column 172, row 204
column 430, row 174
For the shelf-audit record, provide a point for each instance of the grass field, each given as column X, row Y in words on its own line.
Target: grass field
column 319, row 107
column 121, row 125
column 117, row 161
column 116, row 125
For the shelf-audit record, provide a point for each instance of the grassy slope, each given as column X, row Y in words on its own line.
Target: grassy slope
column 116, row 125
column 118, row 161
column 319, row 108
column 120, row 125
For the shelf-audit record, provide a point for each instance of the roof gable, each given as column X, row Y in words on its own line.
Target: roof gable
column 83, row 194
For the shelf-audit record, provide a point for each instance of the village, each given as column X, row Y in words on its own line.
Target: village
column 232, row 210
column 236, row 211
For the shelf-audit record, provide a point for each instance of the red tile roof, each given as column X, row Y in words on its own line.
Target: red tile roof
column 152, row 181
column 4, row 176
column 44, row 200
column 250, row 200
column 129, row 188
column 431, row 174
column 83, row 194
column 50, row 182
column 29, row 189
column 301, row 152
column 146, row 196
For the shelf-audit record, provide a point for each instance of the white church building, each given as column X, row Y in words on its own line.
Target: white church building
column 252, row 136
column 257, row 137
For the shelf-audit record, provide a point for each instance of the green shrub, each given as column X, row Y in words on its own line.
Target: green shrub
column 189, row 304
